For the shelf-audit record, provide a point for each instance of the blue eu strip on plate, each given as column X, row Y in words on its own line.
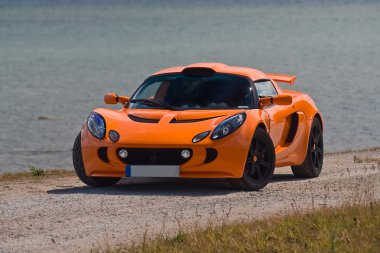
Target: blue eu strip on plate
column 128, row 170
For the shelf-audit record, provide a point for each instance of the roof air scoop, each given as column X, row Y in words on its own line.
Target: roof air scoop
column 198, row 71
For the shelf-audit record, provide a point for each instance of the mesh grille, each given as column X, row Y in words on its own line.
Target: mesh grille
column 150, row 156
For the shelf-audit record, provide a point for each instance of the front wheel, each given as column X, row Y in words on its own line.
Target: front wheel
column 260, row 163
column 79, row 169
column 312, row 166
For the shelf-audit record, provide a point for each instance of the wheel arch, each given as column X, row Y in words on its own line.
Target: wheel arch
column 262, row 126
column 319, row 117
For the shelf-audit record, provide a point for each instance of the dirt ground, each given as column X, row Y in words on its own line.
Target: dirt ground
column 60, row 214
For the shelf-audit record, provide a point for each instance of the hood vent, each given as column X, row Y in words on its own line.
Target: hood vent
column 142, row 120
column 174, row 120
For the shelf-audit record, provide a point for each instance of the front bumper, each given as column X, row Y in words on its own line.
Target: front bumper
column 224, row 158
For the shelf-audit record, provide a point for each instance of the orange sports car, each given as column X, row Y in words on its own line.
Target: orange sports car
column 205, row 120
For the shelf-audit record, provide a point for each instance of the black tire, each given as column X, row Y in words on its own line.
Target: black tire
column 79, row 169
column 312, row 166
column 260, row 163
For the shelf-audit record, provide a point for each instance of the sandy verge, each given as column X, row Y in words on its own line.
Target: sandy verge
column 60, row 214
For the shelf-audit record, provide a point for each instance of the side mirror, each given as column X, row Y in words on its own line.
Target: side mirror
column 281, row 99
column 113, row 99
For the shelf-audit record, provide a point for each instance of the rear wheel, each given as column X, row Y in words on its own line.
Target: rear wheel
column 312, row 166
column 260, row 163
column 79, row 169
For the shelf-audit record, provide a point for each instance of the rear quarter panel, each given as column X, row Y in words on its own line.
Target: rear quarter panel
column 295, row 152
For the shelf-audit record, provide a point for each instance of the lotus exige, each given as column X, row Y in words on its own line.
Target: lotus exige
column 205, row 120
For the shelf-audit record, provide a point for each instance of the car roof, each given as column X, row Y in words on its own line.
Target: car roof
column 253, row 74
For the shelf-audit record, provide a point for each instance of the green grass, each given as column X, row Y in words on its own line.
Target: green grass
column 354, row 228
column 35, row 171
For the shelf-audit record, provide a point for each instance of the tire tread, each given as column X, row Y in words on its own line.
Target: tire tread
column 306, row 170
column 244, row 184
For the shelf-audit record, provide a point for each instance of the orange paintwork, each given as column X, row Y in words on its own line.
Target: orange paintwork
column 113, row 98
column 282, row 78
column 232, row 150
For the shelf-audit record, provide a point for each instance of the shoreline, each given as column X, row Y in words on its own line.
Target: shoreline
column 24, row 169
column 67, row 172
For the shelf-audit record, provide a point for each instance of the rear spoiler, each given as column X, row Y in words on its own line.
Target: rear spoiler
column 282, row 78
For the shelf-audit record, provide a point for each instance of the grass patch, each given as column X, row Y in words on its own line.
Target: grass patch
column 366, row 160
column 353, row 228
column 345, row 151
column 35, row 172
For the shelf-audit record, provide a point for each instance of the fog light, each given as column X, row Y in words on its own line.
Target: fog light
column 186, row 153
column 123, row 153
column 113, row 135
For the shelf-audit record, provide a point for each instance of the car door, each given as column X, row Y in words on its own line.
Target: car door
column 277, row 113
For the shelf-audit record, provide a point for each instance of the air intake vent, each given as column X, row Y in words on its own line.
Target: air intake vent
column 102, row 153
column 142, row 120
column 198, row 71
column 158, row 156
column 293, row 127
column 174, row 120
column 211, row 155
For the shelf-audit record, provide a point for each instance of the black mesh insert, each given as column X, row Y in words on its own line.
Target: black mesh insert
column 153, row 156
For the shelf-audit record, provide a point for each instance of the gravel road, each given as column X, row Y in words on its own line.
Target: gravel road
column 56, row 214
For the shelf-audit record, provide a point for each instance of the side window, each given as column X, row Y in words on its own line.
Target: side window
column 265, row 89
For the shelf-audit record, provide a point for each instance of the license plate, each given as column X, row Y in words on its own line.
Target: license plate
column 152, row 171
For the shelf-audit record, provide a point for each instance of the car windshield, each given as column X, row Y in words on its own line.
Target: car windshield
column 181, row 92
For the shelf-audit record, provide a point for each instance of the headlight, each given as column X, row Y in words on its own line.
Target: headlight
column 228, row 126
column 97, row 125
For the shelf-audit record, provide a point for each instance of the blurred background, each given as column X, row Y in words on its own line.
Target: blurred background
column 58, row 59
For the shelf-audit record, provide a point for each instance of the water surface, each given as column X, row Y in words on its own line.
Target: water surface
column 58, row 58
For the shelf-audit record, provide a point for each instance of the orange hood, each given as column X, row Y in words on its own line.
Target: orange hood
column 157, row 127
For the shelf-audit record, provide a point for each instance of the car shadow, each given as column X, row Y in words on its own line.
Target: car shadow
column 159, row 187
column 165, row 187
column 279, row 178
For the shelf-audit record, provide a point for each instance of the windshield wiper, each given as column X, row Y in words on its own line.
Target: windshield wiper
column 148, row 101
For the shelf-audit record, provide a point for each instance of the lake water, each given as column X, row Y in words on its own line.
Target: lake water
column 58, row 58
